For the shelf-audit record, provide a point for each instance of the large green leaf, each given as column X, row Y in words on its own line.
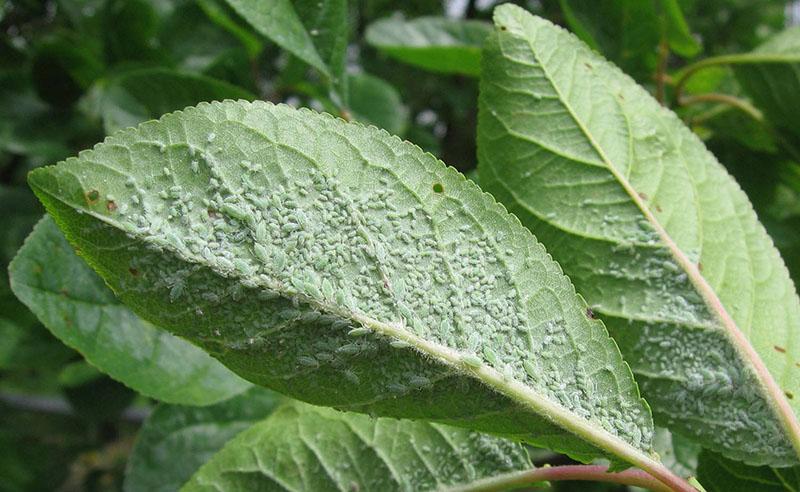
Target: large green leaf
column 176, row 441
column 140, row 95
column 75, row 305
column 303, row 447
column 653, row 232
column 344, row 267
column 277, row 20
column 433, row 43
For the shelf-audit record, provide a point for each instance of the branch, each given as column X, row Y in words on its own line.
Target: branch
column 594, row 473
column 727, row 99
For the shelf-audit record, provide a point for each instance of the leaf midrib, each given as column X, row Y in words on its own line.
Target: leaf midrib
column 490, row 377
column 740, row 342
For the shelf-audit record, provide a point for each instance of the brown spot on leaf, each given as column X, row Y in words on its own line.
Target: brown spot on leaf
column 92, row 196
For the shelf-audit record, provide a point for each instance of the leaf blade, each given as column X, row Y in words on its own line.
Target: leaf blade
column 626, row 227
column 278, row 21
column 75, row 305
column 434, row 43
column 193, row 433
column 280, row 300
column 329, row 450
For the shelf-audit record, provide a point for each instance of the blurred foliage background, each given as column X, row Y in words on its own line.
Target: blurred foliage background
column 72, row 71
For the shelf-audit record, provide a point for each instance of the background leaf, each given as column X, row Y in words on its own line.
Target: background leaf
column 75, row 305
column 176, row 441
column 140, row 95
column 595, row 166
column 278, row 21
column 302, row 447
column 433, row 43
column 628, row 32
column 770, row 75
column 719, row 474
column 375, row 102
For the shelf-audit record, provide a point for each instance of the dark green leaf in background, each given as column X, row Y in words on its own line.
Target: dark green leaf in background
column 75, row 305
column 433, row 43
column 176, row 441
column 302, row 447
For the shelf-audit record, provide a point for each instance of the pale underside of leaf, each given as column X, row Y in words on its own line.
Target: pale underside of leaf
column 75, row 305
column 343, row 267
column 652, row 231
column 302, row 447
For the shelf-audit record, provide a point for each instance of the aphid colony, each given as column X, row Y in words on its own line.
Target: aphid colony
column 347, row 246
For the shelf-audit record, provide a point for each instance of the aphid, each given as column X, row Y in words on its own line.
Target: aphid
column 490, row 355
column 261, row 252
column 399, row 344
column 351, row 376
column 305, row 360
column 348, row 349
column 233, row 211
column 529, row 368
column 357, row 332
column 471, row 360
column 243, row 266
column 419, row 381
column 327, row 289
column 176, row 291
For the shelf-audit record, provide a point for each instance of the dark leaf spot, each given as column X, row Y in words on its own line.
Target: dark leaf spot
column 92, row 196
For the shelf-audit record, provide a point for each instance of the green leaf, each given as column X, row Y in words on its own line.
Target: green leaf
column 629, row 31
column 278, row 21
column 328, row 24
column 719, row 474
column 140, row 95
column 770, row 75
column 678, row 453
column 303, row 447
column 653, row 232
column 220, row 16
column 176, row 441
column 344, row 267
column 75, row 305
column 437, row 44
column 375, row 101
